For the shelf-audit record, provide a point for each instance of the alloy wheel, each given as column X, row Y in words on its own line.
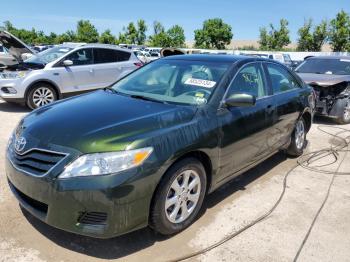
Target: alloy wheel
column 42, row 96
column 299, row 134
column 182, row 197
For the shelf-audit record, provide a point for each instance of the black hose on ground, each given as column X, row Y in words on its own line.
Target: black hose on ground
column 305, row 161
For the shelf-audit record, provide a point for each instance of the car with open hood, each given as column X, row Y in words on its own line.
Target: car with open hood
column 330, row 78
column 62, row 71
column 148, row 149
column 12, row 50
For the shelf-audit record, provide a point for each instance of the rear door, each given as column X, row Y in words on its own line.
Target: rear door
column 245, row 129
column 110, row 65
column 287, row 98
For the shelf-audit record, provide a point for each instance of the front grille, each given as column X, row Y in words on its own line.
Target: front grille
column 37, row 205
column 93, row 218
column 36, row 161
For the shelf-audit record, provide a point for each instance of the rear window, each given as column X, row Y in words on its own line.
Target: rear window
column 104, row 55
column 325, row 66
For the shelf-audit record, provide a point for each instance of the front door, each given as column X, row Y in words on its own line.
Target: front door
column 245, row 129
column 77, row 77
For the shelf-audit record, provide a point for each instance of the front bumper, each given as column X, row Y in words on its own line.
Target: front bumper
column 124, row 199
column 16, row 84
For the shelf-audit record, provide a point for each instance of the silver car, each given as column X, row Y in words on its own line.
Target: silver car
column 63, row 71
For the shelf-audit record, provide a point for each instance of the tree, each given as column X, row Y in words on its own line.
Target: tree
column 68, row 36
column 176, row 36
column 106, row 37
column 131, row 33
column 158, row 28
column 161, row 40
column 141, row 32
column 214, row 34
column 339, row 34
column 275, row 39
column 86, row 32
column 312, row 41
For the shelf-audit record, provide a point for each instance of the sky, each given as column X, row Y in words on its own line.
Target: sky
column 245, row 16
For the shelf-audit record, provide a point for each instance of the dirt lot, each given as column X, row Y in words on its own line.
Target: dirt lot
column 277, row 238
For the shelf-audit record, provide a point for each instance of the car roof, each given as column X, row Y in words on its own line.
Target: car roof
column 107, row 46
column 215, row 58
column 329, row 57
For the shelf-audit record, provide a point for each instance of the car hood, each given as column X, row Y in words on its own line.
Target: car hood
column 15, row 46
column 100, row 121
column 323, row 79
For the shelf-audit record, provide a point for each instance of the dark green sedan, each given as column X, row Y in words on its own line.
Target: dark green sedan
column 147, row 150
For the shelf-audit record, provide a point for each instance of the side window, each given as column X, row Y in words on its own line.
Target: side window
column 281, row 79
column 249, row 80
column 104, row 55
column 81, row 57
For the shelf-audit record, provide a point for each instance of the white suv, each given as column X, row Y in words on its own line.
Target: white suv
column 63, row 71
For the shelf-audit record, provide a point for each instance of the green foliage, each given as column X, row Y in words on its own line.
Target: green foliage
column 275, row 39
column 339, row 34
column 141, row 32
column 107, row 38
column 131, row 34
column 86, row 32
column 312, row 41
column 173, row 37
column 214, row 34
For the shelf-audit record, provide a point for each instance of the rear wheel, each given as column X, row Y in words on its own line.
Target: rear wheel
column 41, row 94
column 298, row 139
column 344, row 117
column 179, row 197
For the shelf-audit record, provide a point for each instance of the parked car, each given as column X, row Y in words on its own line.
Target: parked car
column 63, row 71
column 13, row 50
column 330, row 78
column 147, row 150
column 144, row 57
column 43, row 47
column 282, row 58
column 154, row 56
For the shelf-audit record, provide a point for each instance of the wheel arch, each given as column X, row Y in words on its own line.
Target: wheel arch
column 201, row 157
column 45, row 81
column 307, row 116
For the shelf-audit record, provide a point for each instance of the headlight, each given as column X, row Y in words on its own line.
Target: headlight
column 106, row 163
column 13, row 75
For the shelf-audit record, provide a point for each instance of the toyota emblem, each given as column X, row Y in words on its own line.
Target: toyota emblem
column 20, row 143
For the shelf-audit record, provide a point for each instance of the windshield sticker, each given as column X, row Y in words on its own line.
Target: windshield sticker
column 200, row 100
column 200, row 82
column 345, row 60
column 199, row 95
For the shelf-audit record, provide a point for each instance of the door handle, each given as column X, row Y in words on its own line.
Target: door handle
column 270, row 109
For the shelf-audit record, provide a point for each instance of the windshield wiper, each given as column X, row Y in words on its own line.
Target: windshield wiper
column 148, row 99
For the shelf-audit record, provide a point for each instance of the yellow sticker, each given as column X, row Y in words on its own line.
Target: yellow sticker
column 199, row 95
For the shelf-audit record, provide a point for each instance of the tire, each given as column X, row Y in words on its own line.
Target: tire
column 41, row 94
column 162, row 219
column 298, row 139
column 344, row 117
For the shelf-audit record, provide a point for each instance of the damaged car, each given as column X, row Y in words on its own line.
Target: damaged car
column 330, row 78
column 149, row 148
column 62, row 71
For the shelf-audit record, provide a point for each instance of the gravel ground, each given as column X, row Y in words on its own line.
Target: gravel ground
column 277, row 238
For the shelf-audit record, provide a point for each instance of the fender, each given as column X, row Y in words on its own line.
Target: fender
column 47, row 81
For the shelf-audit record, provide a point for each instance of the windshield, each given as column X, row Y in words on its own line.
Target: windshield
column 174, row 81
column 48, row 55
column 325, row 66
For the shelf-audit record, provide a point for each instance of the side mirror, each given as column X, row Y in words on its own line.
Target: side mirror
column 242, row 100
column 67, row 62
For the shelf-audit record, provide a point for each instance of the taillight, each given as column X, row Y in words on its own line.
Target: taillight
column 138, row 64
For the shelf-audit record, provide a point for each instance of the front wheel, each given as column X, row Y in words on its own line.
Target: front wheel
column 298, row 139
column 41, row 94
column 179, row 197
column 344, row 117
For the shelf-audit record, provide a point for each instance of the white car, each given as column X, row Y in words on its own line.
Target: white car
column 63, row 71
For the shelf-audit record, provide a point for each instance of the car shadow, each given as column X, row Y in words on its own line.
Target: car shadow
column 324, row 120
column 13, row 108
column 122, row 246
